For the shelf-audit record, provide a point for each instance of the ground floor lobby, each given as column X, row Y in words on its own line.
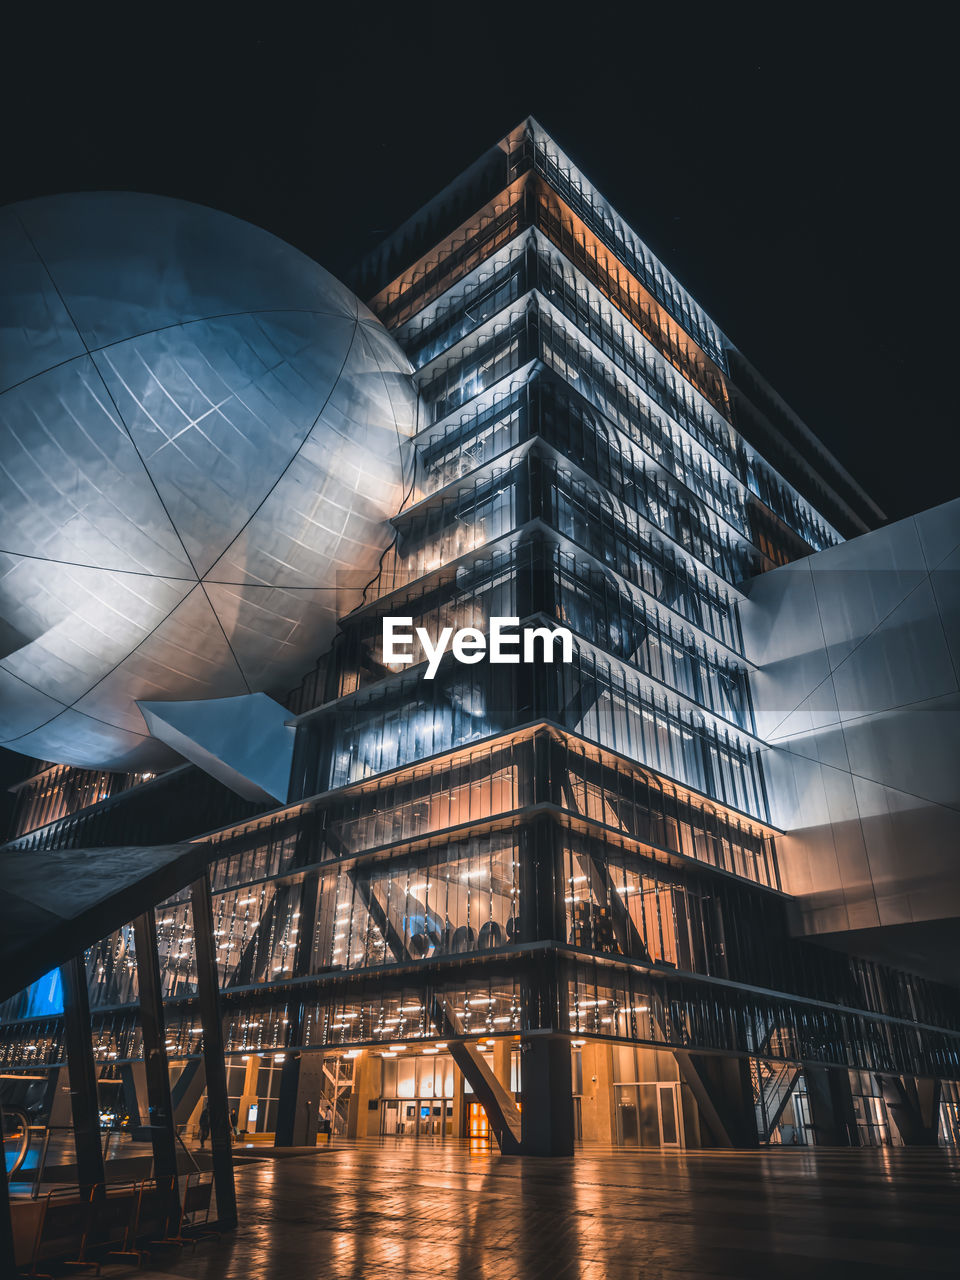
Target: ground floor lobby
column 622, row 1095
column 390, row 1209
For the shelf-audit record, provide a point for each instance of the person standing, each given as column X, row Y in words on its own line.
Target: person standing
column 233, row 1124
column 204, row 1126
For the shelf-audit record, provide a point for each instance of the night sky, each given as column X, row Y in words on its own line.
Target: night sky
column 792, row 165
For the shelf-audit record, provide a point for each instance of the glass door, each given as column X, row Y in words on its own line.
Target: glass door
column 390, row 1118
column 628, row 1124
column 441, row 1118
column 477, row 1124
column 671, row 1123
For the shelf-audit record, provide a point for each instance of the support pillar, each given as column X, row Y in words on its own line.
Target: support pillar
column 301, row 1092
column 249, row 1097
column 84, row 1105
column 546, row 1115
column 914, row 1107
column 138, row 1074
column 294, row 1127
column 188, row 1090
column 502, row 1062
column 499, row 1105
column 8, row 1265
column 929, row 1093
column 597, row 1114
column 214, row 1065
column 131, row 1099
column 842, row 1096
column 831, row 1106
column 159, row 1102
column 364, row 1119
column 724, row 1095
column 459, row 1106
column 546, row 1078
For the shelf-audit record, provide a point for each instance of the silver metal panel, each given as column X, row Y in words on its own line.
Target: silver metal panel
column 188, row 654
column 81, row 622
column 36, row 332
column 74, row 490
column 274, row 629
column 860, row 582
column 244, row 742
column 859, row 699
column 937, row 530
column 126, row 263
column 945, row 580
column 202, row 429
column 902, row 661
column 72, row 735
column 216, row 410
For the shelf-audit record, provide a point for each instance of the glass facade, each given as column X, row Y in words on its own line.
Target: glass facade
column 578, row 852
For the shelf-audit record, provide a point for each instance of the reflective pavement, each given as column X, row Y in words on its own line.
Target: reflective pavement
column 391, row 1209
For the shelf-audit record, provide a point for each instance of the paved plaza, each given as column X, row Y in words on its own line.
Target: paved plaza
column 410, row 1209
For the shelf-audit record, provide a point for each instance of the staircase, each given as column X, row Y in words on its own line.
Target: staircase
column 773, row 1083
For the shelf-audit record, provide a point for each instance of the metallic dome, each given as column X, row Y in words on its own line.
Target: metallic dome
column 200, row 428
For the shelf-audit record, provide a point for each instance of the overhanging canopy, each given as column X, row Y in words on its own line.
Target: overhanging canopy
column 56, row 903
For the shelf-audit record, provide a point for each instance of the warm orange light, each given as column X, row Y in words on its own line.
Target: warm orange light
column 478, row 1126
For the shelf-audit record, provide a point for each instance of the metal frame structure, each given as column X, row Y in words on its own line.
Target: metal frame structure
column 560, row 859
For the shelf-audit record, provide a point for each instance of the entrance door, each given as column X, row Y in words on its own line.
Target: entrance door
column 435, row 1117
column 628, row 1124
column 441, row 1113
column 478, row 1126
column 671, row 1122
column 420, row 1118
column 390, row 1118
column 400, row 1118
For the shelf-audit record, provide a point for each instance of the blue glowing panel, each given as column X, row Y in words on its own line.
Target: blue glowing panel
column 44, row 996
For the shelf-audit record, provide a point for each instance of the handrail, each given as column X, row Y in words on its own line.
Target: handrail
column 21, row 1155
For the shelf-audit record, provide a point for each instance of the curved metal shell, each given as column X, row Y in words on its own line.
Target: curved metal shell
column 200, row 428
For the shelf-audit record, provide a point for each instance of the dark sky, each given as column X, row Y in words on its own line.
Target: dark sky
column 793, row 165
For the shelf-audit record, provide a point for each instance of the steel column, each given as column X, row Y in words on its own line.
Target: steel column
column 84, row 1105
column 218, row 1106
column 159, row 1101
column 8, row 1265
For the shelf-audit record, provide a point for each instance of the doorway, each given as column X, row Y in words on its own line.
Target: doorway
column 670, row 1116
column 649, row 1114
column 478, row 1126
column 416, row 1118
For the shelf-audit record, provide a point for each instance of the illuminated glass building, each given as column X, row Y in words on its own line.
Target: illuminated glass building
column 544, row 900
